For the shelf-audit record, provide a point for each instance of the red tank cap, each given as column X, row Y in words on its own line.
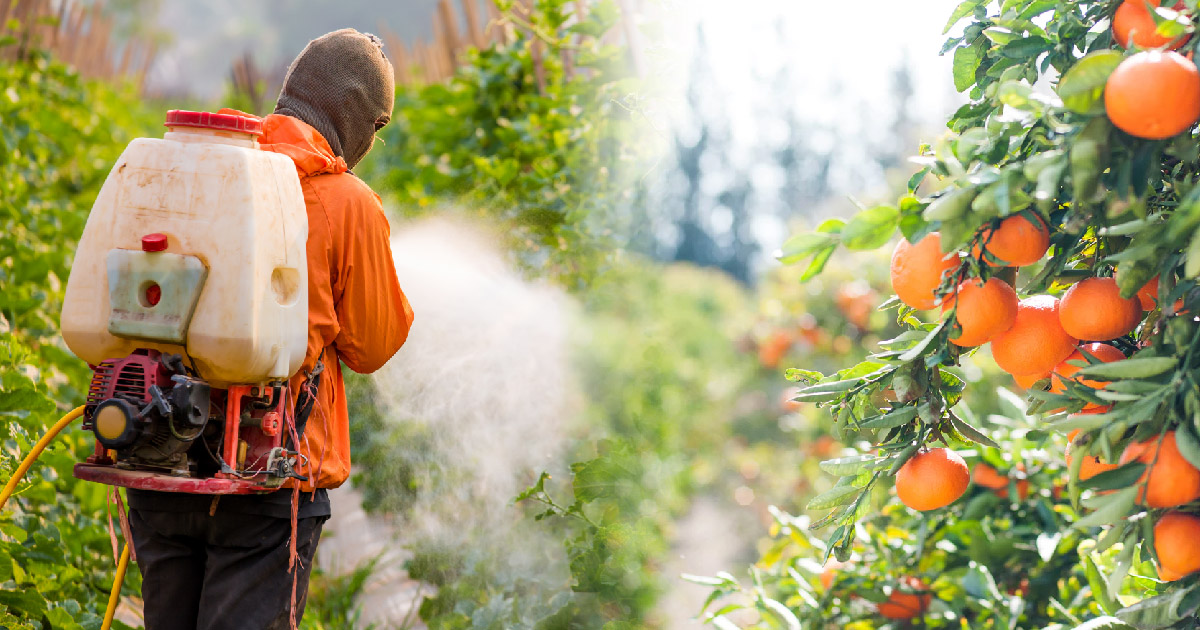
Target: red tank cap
column 154, row 242
column 210, row 120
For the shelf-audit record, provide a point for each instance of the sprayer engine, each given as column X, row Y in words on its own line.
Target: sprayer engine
column 147, row 409
column 158, row 427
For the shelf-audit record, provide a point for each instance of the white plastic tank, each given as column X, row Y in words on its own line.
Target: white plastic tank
column 196, row 246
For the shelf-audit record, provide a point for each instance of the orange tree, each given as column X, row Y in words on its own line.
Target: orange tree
column 1064, row 242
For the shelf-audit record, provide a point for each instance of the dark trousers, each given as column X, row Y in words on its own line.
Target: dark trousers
column 223, row 572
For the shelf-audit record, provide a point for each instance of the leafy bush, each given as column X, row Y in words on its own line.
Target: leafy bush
column 1114, row 203
column 59, row 137
column 520, row 135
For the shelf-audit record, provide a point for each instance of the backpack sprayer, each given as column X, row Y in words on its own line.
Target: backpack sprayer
column 188, row 298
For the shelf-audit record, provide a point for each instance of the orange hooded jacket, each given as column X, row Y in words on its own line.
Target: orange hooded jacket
column 357, row 313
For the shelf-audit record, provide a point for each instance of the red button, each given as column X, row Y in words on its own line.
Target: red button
column 154, row 242
column 153, row 294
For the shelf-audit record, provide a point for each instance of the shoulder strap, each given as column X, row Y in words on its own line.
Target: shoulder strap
column 307, row 397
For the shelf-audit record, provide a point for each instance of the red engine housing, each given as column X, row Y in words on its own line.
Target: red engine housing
column 241, row 439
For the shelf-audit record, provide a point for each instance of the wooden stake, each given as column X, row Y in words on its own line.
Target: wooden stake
column 474, row 28
column 450, row 28
column 400, row 63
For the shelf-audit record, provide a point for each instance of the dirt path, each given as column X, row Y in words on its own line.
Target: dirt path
column 351, row 538
column 709, row 539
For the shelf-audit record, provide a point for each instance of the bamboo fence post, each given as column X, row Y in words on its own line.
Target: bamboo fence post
column 400, row 63
column 474, row 28
column 450, row 27
column 632, row 37
column 141, row 77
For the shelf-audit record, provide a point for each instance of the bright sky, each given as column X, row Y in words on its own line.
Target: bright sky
column 840, row 57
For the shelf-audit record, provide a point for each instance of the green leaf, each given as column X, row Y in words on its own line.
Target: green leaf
column 1115, row 479
column 893, row 418
column 1157, row 612
column 1082, row 87
column 916, row 350
column 838, row 495
column 871, row 228
column 966, row 62
column 1137, row 367
column 853, row 464
column 801, row 246
column 1104, row 623
column 1189, row 446
column 1114, row 508
column 971, row 433
column 961, row 11
column 1099, row 588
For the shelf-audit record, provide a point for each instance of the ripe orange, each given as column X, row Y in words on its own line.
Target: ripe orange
column 985, row 309
column 917, row 270
column 1168, row 575
column 1036, row 343
column 1148, row 295
column 1177, row 543
column 1153, row 95
column 984, row 475
column 932, row 479
column 856, row 302
column 1018, row 241
column 1093, row 310
column 1102, row 351
column 1092, row 465
column 1172, row 480
column 1026, row 381
column 786, row 404
column 906, row 605
column 774, row 347
column 1133, row 24
column 829, row 572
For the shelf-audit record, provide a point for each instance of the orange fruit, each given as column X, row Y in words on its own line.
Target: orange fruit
column 1148, row 295
column 1022, row 490
column 1168, row 575
column 932, row 479
column 917, row 270
column 1026, row 381
column 856, row 302
column 1102, row 351
column 771, row 352
column 1153, row 95
column 906, row 605
column 1019, row 241
column 1093, row 310
column 786, row 404
column 985, row 309
column 1177, row 543
column 1134, row 24
column 1036, row 343
column 829, row 572
column 984, row 475
column 1170, row 481
column 1092, row 465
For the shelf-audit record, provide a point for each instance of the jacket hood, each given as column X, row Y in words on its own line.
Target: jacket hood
column 299, row 141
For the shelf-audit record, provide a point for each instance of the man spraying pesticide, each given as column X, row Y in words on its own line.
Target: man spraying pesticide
column 215, row 294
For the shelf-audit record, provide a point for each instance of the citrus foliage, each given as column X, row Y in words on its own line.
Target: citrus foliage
column 529, row 133
column 1105, row 161
column 58, row 139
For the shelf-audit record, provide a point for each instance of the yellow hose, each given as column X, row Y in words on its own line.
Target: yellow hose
column 37, row 451
column 115, row 596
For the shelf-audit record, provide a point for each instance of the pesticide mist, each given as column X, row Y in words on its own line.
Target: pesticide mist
column 461, row 420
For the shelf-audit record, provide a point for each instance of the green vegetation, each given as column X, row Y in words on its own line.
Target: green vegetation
column 1118, row 198
column 59, row 138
